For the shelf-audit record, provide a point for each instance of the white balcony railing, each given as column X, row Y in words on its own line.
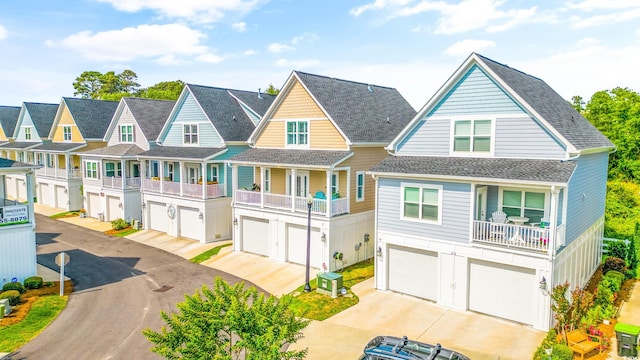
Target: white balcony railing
column 284, row 202
column 513, row 236
column 115, row 182
column 188, row 190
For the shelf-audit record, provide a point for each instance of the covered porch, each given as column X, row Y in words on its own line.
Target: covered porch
column 199, row 180
column 58, row 161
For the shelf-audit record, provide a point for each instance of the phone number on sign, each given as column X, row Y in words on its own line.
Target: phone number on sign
column 12, row 220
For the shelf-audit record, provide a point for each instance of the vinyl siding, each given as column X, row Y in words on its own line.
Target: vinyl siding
column 590, row 179
column 255, row 119
column 3, row 136
column 126, row 118
column 272, row 136
column 65, row 120
column 428, row 137
column 362, row 160
column 523, row 137
column 298, row 104
column 245, row 177
column 225, row 171
column 190, row 112
column 27, row 122
column 324, row 135
column 455, row 211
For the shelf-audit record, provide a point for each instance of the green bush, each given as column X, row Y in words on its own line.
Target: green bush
column 12, row 295
column 33, row 282
column 14, row 285
column 561, row 352
column 617, row 249
column 614, row 263
column 617, row 277
column 119, row 224
column 549, row 341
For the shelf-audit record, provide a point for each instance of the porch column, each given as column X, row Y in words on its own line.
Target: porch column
column 66, row 165
column 261, row 187
column 29, row 183
column 123, row 175
column 329, row 195
column 143, row 172
column 349, row 189
column 56, row 165
column 204, row 180
column 234, row 181
column 294, row 189
column 553, row 218
column 182, row 179
column 161, row 175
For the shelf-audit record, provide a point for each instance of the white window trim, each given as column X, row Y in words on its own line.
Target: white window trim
column 50, row 160
column 547, row 198
column 197, row 133
column 337, row 187
column 358, row 173
column 117, row 168
column 211, row 167
column 471, row 153
column 124, row 134
column 267, row 180
column 27, row 133
column 64, row 137
column 86, row 169
column 296, row 145
column 421, row 186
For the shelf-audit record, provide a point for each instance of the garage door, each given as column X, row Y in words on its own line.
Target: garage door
column 189, row 224
column 45, row 194
column 62, row 200
column 22, row 190
column 158, row 218
column 297, row 246
column 502, row 290
column 114, row 211
column 413, row 272
column 93, row 202
column 255, row 236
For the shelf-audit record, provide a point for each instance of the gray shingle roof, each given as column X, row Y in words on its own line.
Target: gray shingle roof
column 91, row 116
column 9, row 118
column 551, row 171
column 150, row 114
column 551, row 106
column 115, row 150
column 180, row 152
column 365, row 113
column 321, row 158
column 42, row 116
column 259, row 104
column 225, row 113
column 59, row 147
column 20, row 145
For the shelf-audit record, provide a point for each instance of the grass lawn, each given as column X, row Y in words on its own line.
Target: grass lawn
column 65, row 214
column 316, row 306
column 208, row 254
column 42, row 312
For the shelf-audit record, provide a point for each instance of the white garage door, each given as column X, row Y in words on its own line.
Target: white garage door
column 93, row 202
column 22, row 190
column 189, row 224
column 297, row 246
column 413, row 272
column 158, row 218
column 45, row 194
column 255, row 236
column 114, row 211
column 62, row 200
column 502, row 290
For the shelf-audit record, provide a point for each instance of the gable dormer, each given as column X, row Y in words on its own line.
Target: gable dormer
column 8, row 119
column 66, row 130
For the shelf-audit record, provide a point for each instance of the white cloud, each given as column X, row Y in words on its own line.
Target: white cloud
column 3, row 32
column 200, row 11
column 465, row 47
column 591, row 5
column 210, row 58
column 162, row 42
column 296, row 64
column 378, row 5
column 240, row 27
column 278, row 48
column 249, row 52
column 613, row 18
column 308, row 38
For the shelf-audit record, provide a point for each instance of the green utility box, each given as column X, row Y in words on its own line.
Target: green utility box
column 627, row 338
column 329, row 283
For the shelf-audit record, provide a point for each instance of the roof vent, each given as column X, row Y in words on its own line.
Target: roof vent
column 388, row 122
column 260, row 94
column 234, row 118
column 369, row 88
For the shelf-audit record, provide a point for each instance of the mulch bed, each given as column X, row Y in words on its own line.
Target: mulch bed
column 20, row 311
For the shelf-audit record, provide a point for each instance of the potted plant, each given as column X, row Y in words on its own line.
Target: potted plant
column 82, row 213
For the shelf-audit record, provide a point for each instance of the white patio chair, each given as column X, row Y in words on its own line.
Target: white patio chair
column 497, row 227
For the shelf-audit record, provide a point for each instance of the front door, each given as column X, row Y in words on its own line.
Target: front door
column 301, row 184
column 193, row 174
column 481, row 203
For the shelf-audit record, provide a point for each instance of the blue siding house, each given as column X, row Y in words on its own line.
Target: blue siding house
column 492, row 195
column 185, row 181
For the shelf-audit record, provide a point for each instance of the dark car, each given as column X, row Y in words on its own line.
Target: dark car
column 395, row 348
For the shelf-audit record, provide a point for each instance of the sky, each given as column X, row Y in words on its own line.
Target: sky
column 578, row 47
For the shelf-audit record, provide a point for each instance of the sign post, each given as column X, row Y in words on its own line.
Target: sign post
column 61, row 260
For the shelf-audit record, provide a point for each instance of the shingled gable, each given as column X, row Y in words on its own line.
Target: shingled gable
column 363, row 113
column 92, row 117
column 8, row 119
column 42, row 115
column 534, row 96
column 149, row 114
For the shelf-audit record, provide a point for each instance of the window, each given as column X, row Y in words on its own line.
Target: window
column 213, row 172
column 112, row 169
column 359, row 185
column 422, row 203
column 66, row 133
column 524, row 203
column 267, row 180
column 335, row 183
column 297, row 132
column 472, row 136
column 21, row 156
column 126, row 133
column 39, row 158
column 50, row 160
column 27, row 133
column 91, row 169
column 190, row 132
column 169, row 171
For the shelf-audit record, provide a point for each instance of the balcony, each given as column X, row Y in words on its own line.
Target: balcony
column 292, row 203
column 524, row 237
column 117, row 182
column 194, row 191
column 58, row 173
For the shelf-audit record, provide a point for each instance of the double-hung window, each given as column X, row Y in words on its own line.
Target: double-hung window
column 213, row 172
column 527, row 204
column 335, row 183
column 21, row 156
column 267, row 180
column 39, row 158
column 190, row 133
column 66, row 133
column 359, row 185
column 112, row 169
column 27, row 133
column 472, row 136
column 297, row 133
column 126, row 133
column 91, row 169
column 50, row 160
column 422, row 202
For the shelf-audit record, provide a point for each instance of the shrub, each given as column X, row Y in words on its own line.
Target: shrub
column 615, row 276
column 14, row 285
column 614, row 263
column 12, row 295
column 119, row 224
column 547, row 343
column 33, row 282
column 561, row 352
column 617, row 249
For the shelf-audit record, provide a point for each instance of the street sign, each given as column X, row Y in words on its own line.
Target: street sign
column 60, row 257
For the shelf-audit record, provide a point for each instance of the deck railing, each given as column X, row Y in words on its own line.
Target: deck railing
column 513, row 236
column 188, row 190
column 284, row 202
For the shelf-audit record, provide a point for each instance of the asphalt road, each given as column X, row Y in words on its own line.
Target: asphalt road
column 120, row 286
